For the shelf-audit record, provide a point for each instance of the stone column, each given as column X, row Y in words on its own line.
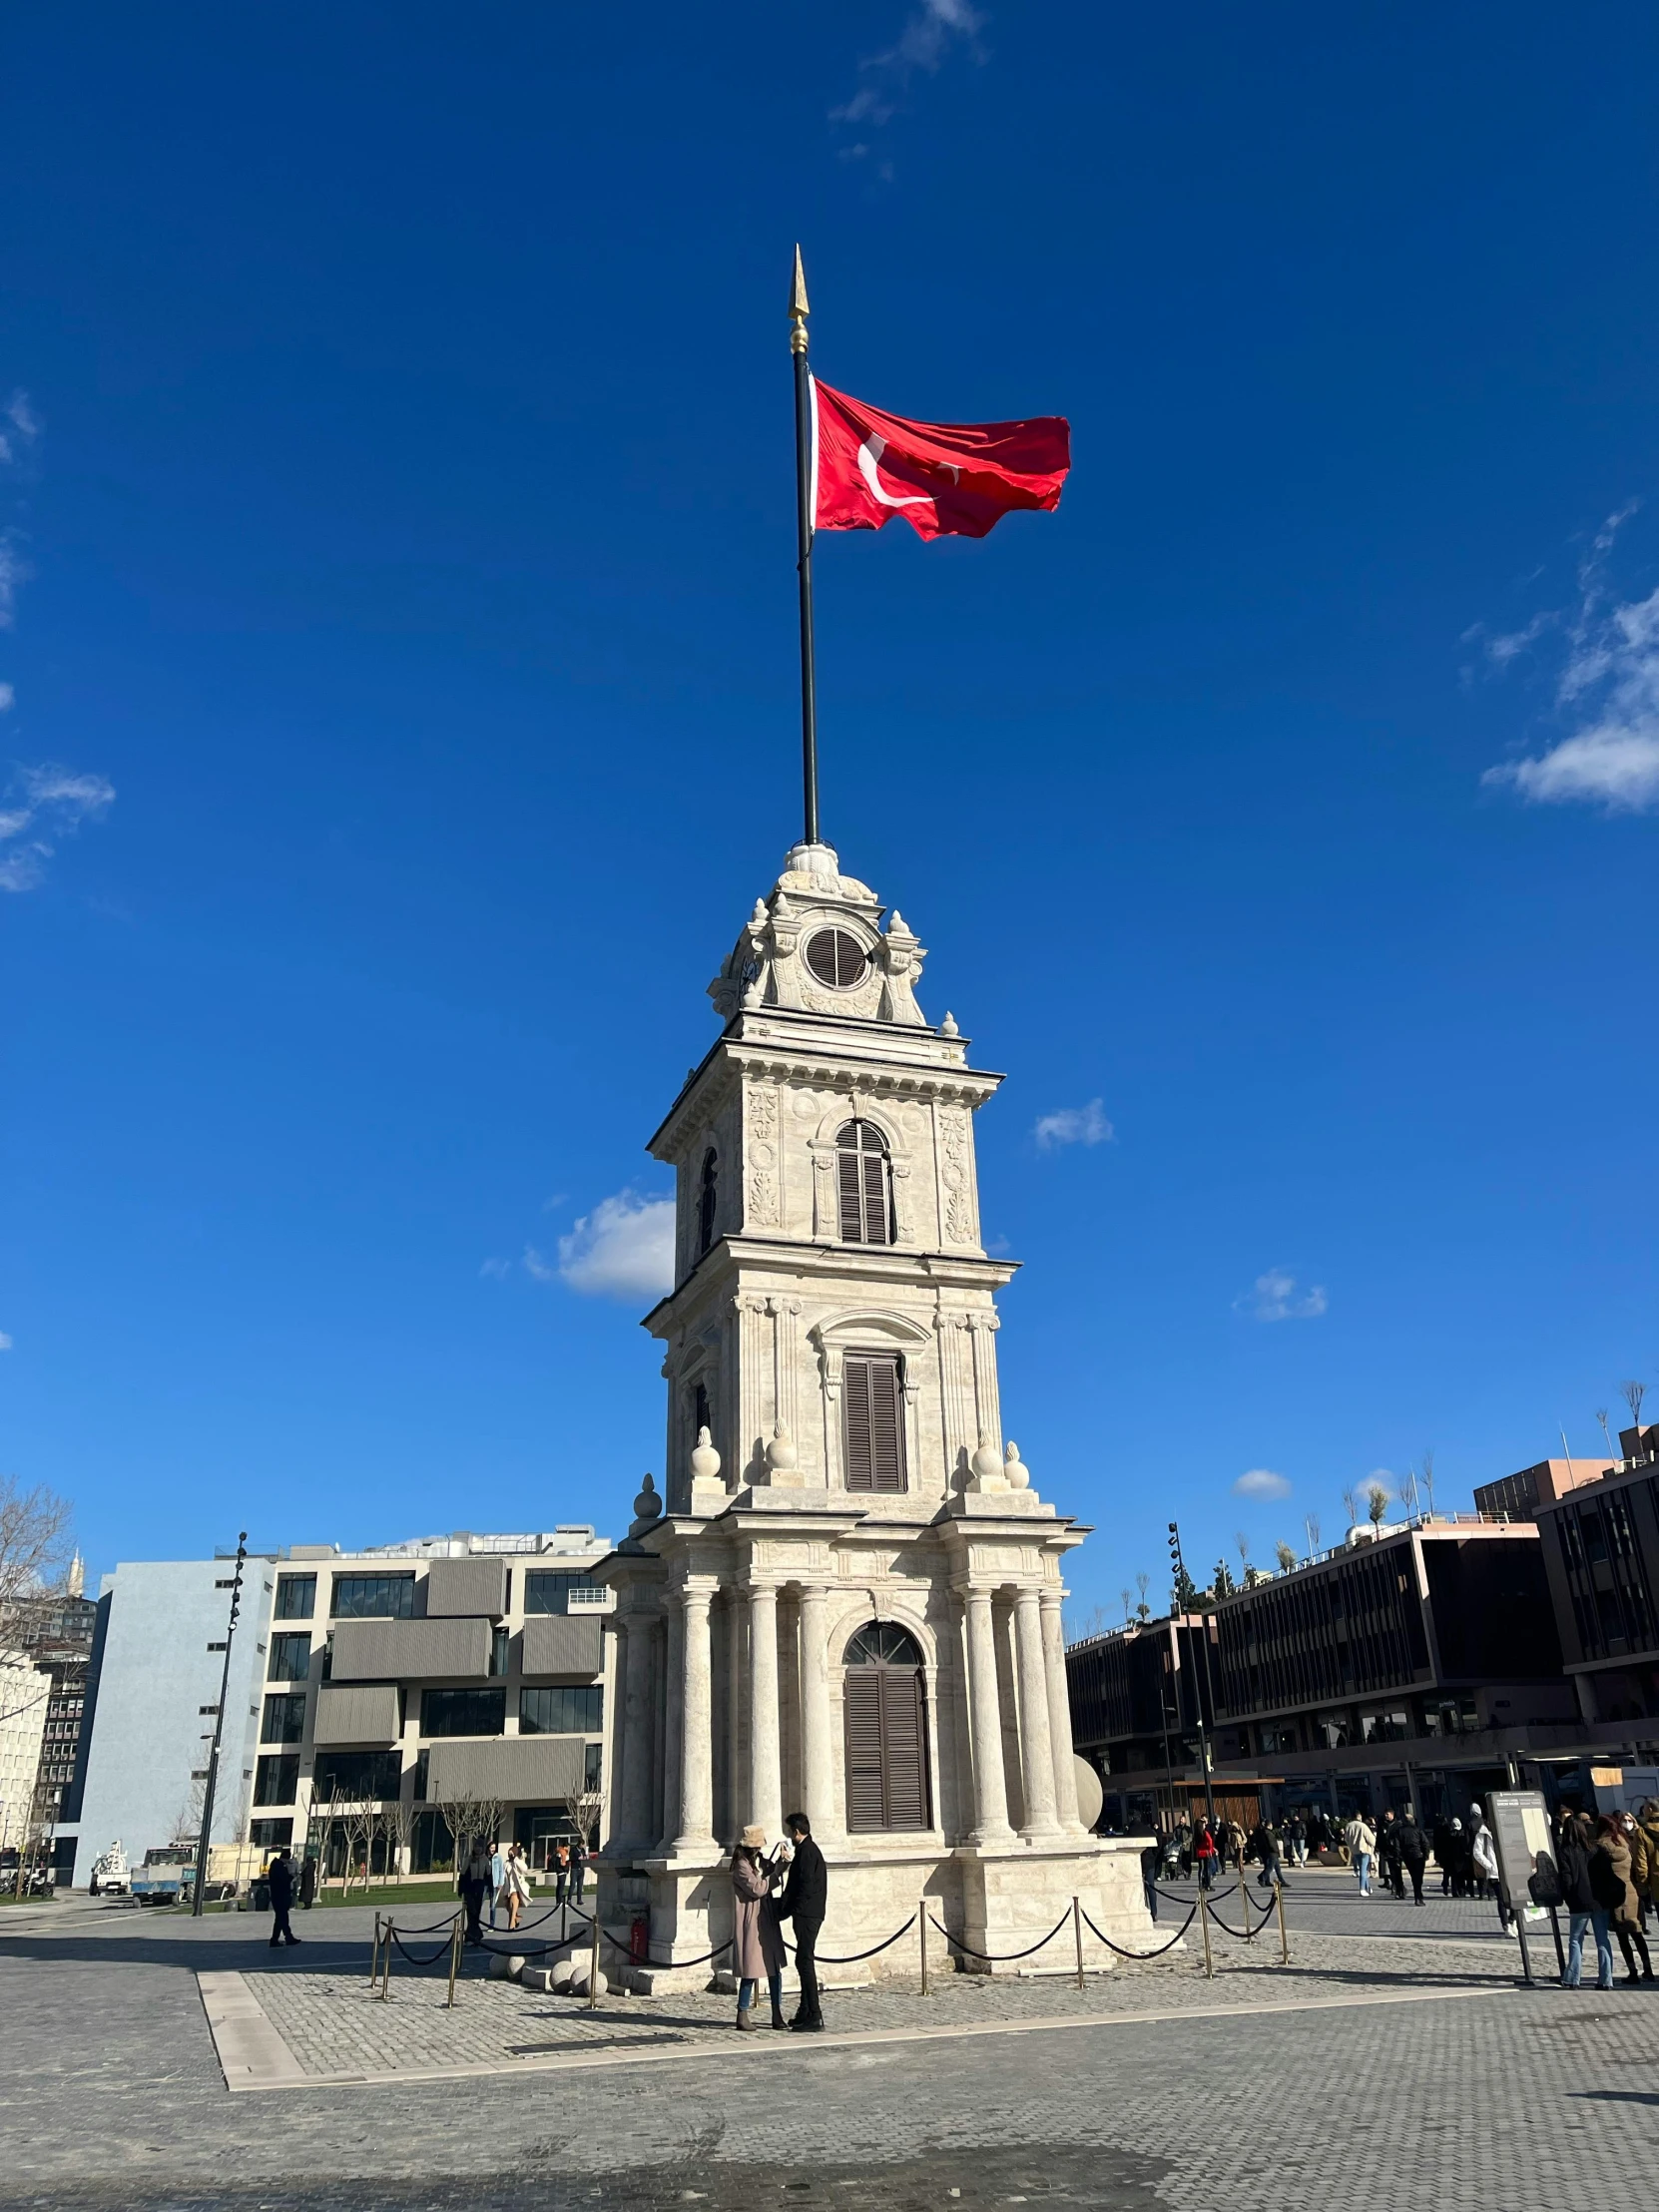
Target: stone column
column 1036, row 1753
column 696, row 1802
column 990, row 1791
column 674, row 1707
column 1059, row 1713
column 816, row 1757
column 639, row 1729
column 766, row 1787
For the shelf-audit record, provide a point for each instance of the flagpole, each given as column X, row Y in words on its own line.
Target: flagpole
column 799, row 312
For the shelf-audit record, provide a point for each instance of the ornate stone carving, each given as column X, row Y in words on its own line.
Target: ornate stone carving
column 760, row 1157
column 955, row 1174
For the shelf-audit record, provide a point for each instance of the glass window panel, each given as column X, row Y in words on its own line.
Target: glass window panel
column 291, row 1658
column 375, row 1775
column 466, row 1712
column 284, row 1718
column 547, row 1593
column 377, row 1597
column 295, row 1597
column 276, row 1779
column 271, row 1835
column 562, row 1710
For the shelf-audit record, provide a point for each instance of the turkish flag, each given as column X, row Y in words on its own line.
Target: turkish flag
column 947, row 479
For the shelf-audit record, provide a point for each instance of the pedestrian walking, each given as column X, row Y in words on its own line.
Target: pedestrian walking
column 1360, row 1839
column 307, row 1883
column 1265, row 1844
column 1482, row 1853
column 1443, row 1854
column 498, row 1875
column 1610, row 1879
column 1205, row 1855
column 561, row 1873
column 1585, row 1913
column 804, row 1901
column 1296, row 1835
column 280, row 1875
column 1151, row 1861
column 475, row 1886
column 1412, row 1847
column 757, row 1939
column 1644, row 1854
column 578, row 1870
column 515, row 1884
column 1387, row 1854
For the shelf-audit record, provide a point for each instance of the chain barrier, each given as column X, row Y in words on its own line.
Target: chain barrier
column 1162, row 1948
column 822, row 1957
column 1246, row 1933
column 1212, row 1897
column 431, row 1958
column 999, row 1958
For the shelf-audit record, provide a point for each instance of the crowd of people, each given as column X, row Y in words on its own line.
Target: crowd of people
column 1607, row 1878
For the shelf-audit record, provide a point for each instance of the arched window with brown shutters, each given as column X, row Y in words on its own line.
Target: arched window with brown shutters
column 708, row 1197
column 872, row 1392
column 865, row 1184
column 885, row 1724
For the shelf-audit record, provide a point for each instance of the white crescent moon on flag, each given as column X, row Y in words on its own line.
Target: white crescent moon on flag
column 870, row 452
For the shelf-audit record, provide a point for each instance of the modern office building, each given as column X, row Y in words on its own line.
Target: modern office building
column 1415, row 1664
column 152, row 1703
column 1600, row 1547
column 25, row 1690
column 409, row 1676
column 56, row 1632
column 1516, row 1497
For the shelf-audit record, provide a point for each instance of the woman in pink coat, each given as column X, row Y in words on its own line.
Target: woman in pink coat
column 758, row 1944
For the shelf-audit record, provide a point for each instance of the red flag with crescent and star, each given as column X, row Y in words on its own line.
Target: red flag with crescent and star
column 947, row 479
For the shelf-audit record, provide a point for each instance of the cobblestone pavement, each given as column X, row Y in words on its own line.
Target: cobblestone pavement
column 1508, row 2101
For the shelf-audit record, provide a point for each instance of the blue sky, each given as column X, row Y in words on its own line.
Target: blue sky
column 402, row 721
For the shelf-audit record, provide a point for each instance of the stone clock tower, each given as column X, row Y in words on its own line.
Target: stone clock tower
column 847, row 1600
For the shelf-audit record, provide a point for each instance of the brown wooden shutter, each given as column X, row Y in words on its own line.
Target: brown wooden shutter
column 874, row 1424
column 903, row 1747
column 875, row 1199
column 866, row 1805
column 852, row 1228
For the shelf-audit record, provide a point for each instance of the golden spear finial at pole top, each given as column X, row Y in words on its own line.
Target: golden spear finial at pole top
column 798, row 309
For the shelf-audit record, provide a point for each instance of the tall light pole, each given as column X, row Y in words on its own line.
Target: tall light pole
column 1182, row 1581
column 203, row 1842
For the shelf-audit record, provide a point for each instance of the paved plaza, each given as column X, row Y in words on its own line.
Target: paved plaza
column 1395, row 2060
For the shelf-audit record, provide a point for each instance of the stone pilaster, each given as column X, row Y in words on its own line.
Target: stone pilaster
column 990, row 1793
column 817, row 1758
column 765, row 1780
column 1036, row 1753
column 696, row 1744
column 1059, row 1714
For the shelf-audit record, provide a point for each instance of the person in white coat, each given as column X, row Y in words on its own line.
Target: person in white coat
column 515, row 1883
column 1360, row 1839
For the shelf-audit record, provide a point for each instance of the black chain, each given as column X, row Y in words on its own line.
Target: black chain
column 1162, row 1948
column 1000, row 1957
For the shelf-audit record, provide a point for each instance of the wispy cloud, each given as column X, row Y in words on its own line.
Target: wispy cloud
column 1073, row 1125
column 22, row 426
column 14, row 570
column 496, row 1271
column 49, row 803
column 929, row 36
column 623, row 1249
column 1261, row 1483
column 1608, row 683
column 1275, row 1296
column 8, row 699
column 5, row 1342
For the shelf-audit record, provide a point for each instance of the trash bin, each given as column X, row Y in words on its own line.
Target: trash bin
column 261, row 1895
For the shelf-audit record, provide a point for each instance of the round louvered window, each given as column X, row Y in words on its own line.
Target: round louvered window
column 837, row 960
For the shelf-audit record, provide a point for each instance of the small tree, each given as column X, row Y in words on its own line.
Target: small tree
column 1286, row 1555
column 1223, row 1584
column 586, row 1809
column 1143, row 1583
column 1633, row 1395
column 1184, row 1596
column 1312, row 1524
column 1377, row 1502
column 1351, row 1502
column 1428, row 1480
column 1128, row 1598
column 1602, row 1417
column 399, row 1820
column 34, row 1544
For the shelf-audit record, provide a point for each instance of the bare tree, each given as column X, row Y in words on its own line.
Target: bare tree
column 1286, row 1555
column 1633, row 1395
column 1408, row 1492
column 586, row 1809
column 1143, row 1583
column 1351, row 1500
column 1428, row 1478
column 1128, row 1597
column 1377, row 1501
column 358, row 1822
column 1312, row 1524
column 1602, row 1417
column 34, row 1543
column 399, row 1822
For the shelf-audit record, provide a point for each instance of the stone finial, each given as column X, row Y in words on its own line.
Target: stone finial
column 647, row 1509
column 1015, row 1470
column 782, row 1456
column 985, row 1467
column 705, row 1460
column 949, row 1028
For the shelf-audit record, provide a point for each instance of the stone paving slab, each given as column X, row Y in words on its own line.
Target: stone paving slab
column 339, row 2032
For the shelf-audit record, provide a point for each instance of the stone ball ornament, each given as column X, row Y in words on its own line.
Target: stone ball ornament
column 781, row 1455
column 1015, row 1471
column 705, row 1460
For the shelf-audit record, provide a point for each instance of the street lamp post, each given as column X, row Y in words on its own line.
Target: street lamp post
column 1181, row 1582
column 203, row 1842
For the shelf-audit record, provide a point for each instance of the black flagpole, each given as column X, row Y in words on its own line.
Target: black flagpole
column 798, row 312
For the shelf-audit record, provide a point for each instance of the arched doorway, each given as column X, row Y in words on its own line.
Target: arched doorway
column 885, row 1724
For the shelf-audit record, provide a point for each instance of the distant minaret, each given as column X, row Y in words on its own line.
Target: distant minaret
column 76, row 1582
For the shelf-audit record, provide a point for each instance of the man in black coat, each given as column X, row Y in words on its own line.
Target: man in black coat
column 1414, row 1852
column 806, row 1895
column 280, row 1875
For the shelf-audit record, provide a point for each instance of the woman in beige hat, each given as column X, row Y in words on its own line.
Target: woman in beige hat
column 758, row 1944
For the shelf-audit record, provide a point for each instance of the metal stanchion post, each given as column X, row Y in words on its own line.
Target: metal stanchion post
column 1555, row 1931
column 921, row 1926
column 1204, row 1924
column 386, row 1971
column 374, row 1955
column 454, row 1961
column 1283, row 1938
column 1077, row 1937
column 593, row 1962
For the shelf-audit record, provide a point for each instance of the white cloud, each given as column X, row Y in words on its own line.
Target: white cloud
column 1276, row 1297
column 623, row 1249
column 5, row 1342
column 8, row 699
column 1261, row 1483
column 14, row 570
column 54, row 802
column 496, row 1271
column 924, row 43
column 1609, row 682
column 1073, row 1125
